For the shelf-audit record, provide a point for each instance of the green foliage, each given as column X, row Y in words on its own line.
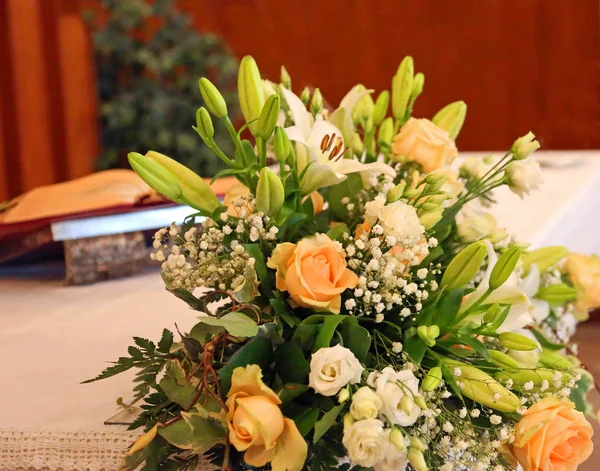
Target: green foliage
column 148, row 61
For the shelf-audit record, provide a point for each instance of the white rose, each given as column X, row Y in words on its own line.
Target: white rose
column 391, row 394
column 398, row 219
column 425, row 143
column 365, row 404
column 333, row 368
column 473, row 223
column 393, row 458
column 474, row 167
column 524, row 176
column 365, row 442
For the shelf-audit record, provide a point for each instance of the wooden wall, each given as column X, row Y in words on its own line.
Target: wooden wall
column 519, row 64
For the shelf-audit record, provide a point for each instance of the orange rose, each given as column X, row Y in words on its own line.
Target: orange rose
column 552, row 436
column 585, row 273
column 313, row 272
column 425, row 143
column 317, row 201
column 257, row 426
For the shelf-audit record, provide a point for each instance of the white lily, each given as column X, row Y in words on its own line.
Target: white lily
column 530, row 285
column 320, row 147
column 509, row 293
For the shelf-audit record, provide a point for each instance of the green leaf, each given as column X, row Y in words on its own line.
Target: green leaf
column 305, row 421
column 415, row 348
column 356, row 338
column 471, row 341
column 290, row 363
column 184, row 295
column 203, row 332
column 449, row 377
column 337, row 232
column 291, row 391
column 580, row 392
column 326, row 331
column 305, row 336
column 544, row 342
column 350, row 186
column 176, row 387
column 260, row 266
column 166, row 341
column 145, row 344
column 236, row 323
column 283, row 310
column 326, row 422
column 258, row 351
column 197, row 431
column 447, row 309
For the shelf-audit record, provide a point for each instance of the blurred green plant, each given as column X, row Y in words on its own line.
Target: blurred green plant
column 148, row 61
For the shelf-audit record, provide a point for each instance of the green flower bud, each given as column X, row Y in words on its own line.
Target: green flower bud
column 558, row 294
column 435, row 178
column 381, row 107
column 518, row 342
column 402, row 87
column 420, row 402
column 305, row 95
column 156, row 176
column 268, row 117
column 406, row 404
column 250, row 92
column 433, row 331
column 482, row 388
column 497, row 237
column 536, row 376
column 365, row 107
column 316, row 103
column 285, row 78
column 343, row 395
column 417, row 460
column 204, row 125
column 431, row 218
column 432, row 380
column 396, row 193
column 357, row 144
column 428, row 207
column 348, row 420
column 281, row 144
column 438, row 199
column 418, row 84
column 213, row 98
column 464, row 266
column 493, row 313
column 503, row 360
column 269, row 193
column 424, row 333
column 554, row 360
column 417, row 444
column 504, row 267
column 544, row 258
column 451, row 118
column 411, row 193
column 386, row 131
column 397, row 439
column 196, row 192
column 525, row 146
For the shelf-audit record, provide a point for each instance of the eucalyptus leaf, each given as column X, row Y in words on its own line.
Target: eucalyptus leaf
column 236, row 323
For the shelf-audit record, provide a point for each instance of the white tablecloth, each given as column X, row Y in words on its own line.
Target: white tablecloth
column 52, row 337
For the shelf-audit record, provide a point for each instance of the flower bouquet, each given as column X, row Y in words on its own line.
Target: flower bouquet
column 358, row 306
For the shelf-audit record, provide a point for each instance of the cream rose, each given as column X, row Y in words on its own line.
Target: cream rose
column 365, row 404
column 524, row 176
column 425, row 143
column 585, row 274
column 365, row 442
column 333, row 368
column 257, row 426
column 398, row 219
column 393, row 458
column 474, row 167
column 313, row 272
column 473, row 223
column 391, row 387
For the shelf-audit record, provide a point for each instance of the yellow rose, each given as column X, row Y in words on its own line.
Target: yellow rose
column 313, row 272
column 233, row 196
column 257, row 426
column 425, row 143
column 584, row 271
column 552, row 435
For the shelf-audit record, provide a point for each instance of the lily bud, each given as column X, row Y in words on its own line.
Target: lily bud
column 357, row 144
column 524, row 146
column 204, row 125
column 504, row 267
column 402, row 87
column 406, row 404
column 343, row 395
column 386, row 131
column 269, row 193
column 420, row 402
column 554, row 360
column 156, row 176
column 451, row 118
column 503, row 360
column 396, row 193
column 418, row 84
column 493, row 314
column 514, row 341
column 381, row 107
column 196, row 192
column 316, row 103
column 213, row 98
column 268, row 117
column 558, row 294
column 305, row 95
column 432, row 380
column 482, row 388
column 417, row 460
column 281, row 144
column 544, row 258
column 250, row 92
column 417, row 444
column 431, row 218
column 285, row 78
column 464, row 266
column 423, row 333
column 397, row 439
column 536, row 376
